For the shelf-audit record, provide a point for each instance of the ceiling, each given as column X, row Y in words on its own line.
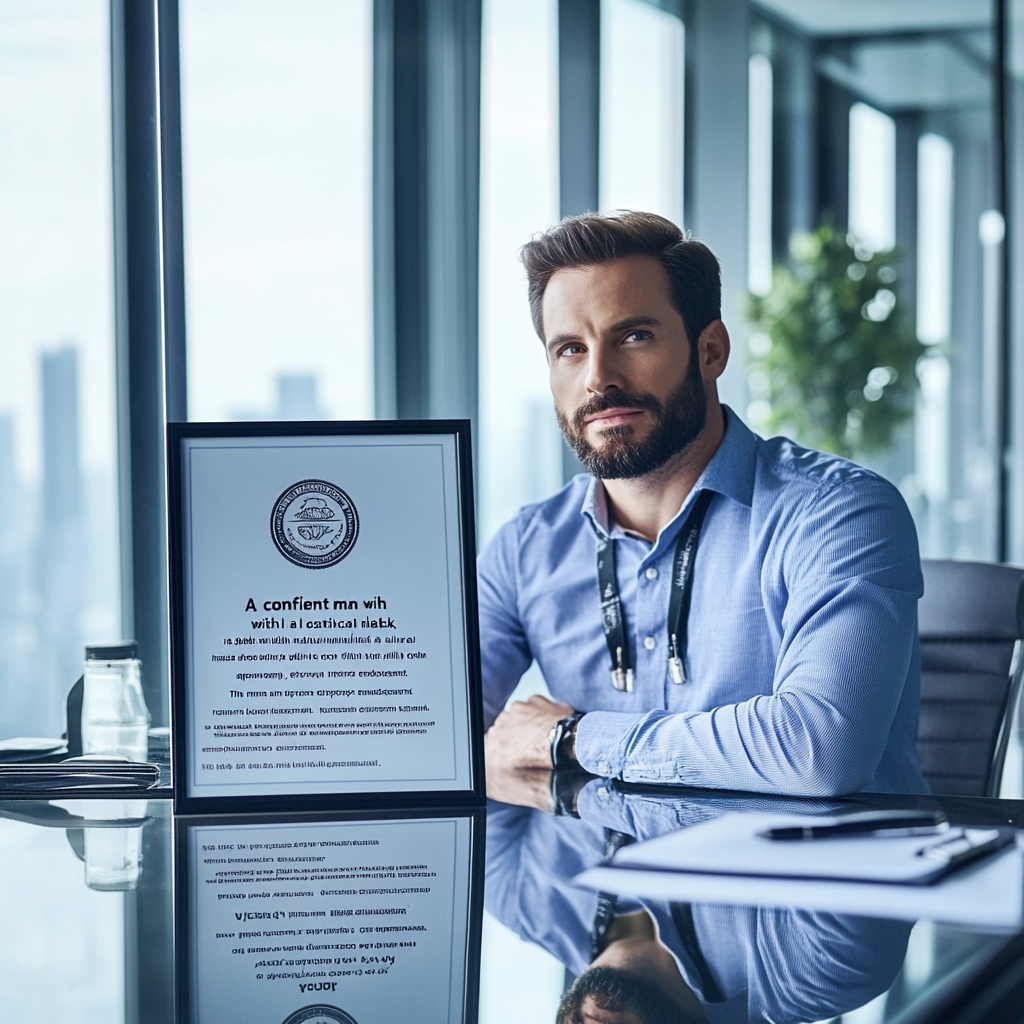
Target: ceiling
column 869, row 17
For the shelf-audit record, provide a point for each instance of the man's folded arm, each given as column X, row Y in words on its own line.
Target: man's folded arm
column 849, row 633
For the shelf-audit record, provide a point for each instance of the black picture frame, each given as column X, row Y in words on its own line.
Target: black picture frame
column 187, row 804
column 476, row 816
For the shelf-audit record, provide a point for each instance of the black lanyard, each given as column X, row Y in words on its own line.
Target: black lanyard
column 614, row 621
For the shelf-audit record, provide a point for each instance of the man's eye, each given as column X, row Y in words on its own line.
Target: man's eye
column 639, row 336
column 572, row 350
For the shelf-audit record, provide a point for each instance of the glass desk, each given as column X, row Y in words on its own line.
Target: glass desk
column 93, row 892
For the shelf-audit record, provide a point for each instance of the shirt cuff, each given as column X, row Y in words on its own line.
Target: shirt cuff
column 602, row 738
column 599, row 803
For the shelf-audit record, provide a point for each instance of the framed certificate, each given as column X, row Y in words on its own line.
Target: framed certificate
column 329, row 918
column 324, row 645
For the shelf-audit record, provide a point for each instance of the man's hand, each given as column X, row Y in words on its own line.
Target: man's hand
column 524, row 787
column 519, row 736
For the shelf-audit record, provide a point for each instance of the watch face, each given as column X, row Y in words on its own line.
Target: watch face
column 320, row 1014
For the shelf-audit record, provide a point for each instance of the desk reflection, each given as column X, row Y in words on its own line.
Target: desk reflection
column 648, row 961
column 315, row 920
column 74, row 954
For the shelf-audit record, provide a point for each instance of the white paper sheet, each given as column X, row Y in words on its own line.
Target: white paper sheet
column 338, row 678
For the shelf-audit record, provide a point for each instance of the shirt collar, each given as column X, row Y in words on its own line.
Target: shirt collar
column 730, row 472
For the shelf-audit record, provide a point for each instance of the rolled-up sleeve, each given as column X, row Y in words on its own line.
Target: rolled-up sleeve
column 849, row 568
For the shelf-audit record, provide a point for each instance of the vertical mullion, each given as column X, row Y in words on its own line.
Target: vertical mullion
column 1001, row 141
column 579, row 105
column 172, row 221
column 579, row 125
column 426, row 207
column 139, row 341
column 384, row 326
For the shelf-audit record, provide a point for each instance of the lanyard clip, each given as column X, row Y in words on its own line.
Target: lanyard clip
column 675, row 663
column 622, row 678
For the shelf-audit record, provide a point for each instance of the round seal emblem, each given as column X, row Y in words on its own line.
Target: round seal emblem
column 314, row 524
column 320, row 1014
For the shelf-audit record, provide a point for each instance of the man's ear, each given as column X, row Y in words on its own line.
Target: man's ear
column 713, row 347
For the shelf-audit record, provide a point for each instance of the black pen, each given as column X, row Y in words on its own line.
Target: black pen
column 884, row 823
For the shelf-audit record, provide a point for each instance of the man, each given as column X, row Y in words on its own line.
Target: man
column 756, row 622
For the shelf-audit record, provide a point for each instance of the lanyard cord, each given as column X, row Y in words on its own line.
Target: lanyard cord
column 613, row 620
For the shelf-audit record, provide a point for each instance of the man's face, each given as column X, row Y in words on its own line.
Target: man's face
column 626, row 382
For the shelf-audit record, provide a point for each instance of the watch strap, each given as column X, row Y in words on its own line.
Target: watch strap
column 557, row 737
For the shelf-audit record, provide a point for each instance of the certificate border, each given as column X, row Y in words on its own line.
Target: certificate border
column 476, row 818
column 184, row 803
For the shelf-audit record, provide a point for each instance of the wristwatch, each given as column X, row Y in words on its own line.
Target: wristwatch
column 565, row 788
column 563, row 742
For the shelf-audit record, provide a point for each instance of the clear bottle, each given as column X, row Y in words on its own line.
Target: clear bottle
column 113, row 856
column 115, row 719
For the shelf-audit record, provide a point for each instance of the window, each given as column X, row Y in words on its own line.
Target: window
column 884, row 134
column 872, row 203
column 519, row 442
column 276, row 142
column 641, row 109
column 58, row 504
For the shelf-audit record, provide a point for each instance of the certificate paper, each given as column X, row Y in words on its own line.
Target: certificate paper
column 322, row 638
column 363, row 922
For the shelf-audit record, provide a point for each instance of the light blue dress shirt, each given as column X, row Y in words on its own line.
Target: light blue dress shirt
column 803, row 661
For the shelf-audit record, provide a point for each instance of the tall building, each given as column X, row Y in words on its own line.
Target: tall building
column 62, row 474
column 12, row 578
column 296, row 400
column 8, row 475
column 61, row 536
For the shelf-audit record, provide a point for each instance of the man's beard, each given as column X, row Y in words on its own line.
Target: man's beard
column 677, row 424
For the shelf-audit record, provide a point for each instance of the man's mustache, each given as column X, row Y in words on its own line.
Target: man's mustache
column 615, row 400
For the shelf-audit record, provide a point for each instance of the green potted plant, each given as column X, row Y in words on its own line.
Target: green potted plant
column 833, row 356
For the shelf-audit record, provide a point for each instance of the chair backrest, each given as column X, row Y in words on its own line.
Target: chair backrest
column 970, row 619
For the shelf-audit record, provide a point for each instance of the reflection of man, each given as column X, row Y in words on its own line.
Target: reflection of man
column 756, row 623
column 651, row 962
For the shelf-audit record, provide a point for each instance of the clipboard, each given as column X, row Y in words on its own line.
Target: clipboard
column 732, row 845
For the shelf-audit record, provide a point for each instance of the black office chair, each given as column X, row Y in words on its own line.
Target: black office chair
column 971, row 620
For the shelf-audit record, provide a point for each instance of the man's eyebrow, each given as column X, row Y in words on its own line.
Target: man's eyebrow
column 635, row 321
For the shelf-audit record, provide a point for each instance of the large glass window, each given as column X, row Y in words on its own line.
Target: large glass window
column 276, row 126
column 58, row 508
column 520, row 445
column 883, row 196
column 641, row 133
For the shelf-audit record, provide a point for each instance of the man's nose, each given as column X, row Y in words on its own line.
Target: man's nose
column 603, row 374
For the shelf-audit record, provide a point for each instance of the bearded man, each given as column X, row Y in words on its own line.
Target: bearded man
column 708, row 608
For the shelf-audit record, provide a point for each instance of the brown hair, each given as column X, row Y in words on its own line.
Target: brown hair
column 695, row 278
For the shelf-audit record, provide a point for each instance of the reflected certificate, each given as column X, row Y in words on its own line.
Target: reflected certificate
column 328, row 922
column 323, row 610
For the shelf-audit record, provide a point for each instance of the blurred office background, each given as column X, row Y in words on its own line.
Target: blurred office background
column 258, row 209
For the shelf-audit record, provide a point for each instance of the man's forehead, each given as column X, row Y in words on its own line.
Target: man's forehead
column 633, row 286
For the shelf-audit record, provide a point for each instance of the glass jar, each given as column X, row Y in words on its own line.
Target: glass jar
column 115, row 719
